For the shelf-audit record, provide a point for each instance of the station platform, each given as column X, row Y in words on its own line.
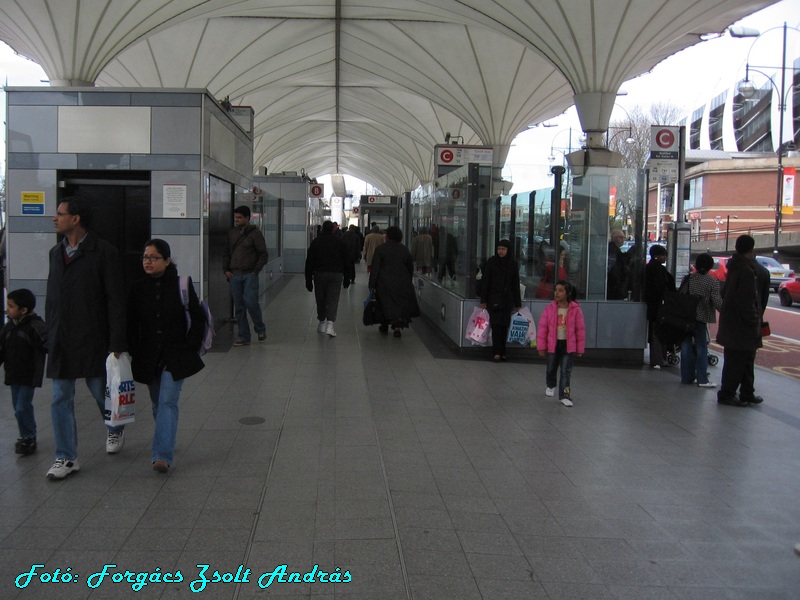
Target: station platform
column 411, row 472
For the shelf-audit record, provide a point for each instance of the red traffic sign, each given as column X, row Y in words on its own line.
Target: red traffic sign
column 665, row 138
column 317, row 190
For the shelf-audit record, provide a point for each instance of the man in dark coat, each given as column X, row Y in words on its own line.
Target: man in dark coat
column 740, row 327
column 85, row 316
column 391, row 278
column 243, row 257
column 618, row 271
column 657, row 282
column 353, row 242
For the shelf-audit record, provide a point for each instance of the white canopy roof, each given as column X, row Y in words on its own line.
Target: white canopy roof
column 368, row 88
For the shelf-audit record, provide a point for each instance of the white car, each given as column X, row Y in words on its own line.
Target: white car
column 777, row 272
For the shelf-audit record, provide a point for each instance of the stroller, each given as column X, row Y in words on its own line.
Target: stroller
column 673, row 356
column 675, row 322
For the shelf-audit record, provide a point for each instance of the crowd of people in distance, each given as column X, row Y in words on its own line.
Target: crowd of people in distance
column 161, row 323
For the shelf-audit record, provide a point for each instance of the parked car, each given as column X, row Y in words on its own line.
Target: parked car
column 789, row 291
column 720, row 269
column 777, row 272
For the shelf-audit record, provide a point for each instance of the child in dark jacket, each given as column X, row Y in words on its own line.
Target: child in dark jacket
column 22, row 349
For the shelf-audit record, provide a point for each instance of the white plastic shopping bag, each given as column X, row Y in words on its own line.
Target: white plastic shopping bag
column 478, row 329
column 120, row 406
column 520, row 327
column 530, row 337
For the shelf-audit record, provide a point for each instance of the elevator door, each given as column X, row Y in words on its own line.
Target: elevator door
column 121, row 209
column 220, row 197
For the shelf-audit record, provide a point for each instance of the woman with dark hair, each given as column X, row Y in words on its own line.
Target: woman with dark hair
column 391, row 279
column 163, row 347
column 694, row 348
column 500, row 295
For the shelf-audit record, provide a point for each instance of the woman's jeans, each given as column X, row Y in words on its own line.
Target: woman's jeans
column 164, row 395
column 22, row 399
column 694, row 361
column 62, row 413
column 559, row 362
column 244, row 291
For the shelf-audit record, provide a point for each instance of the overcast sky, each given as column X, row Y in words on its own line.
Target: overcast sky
column 688, row 79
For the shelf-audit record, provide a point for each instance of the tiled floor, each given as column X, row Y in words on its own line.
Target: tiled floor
column 423, row 475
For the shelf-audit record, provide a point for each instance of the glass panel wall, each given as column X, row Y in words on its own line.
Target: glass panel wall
column 589, row 234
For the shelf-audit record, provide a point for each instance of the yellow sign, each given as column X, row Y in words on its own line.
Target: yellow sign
column 32, row 203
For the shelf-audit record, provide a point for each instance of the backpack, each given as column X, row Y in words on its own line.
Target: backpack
column 184, row 281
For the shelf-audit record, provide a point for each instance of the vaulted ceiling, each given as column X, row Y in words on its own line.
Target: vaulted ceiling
column 366, row 87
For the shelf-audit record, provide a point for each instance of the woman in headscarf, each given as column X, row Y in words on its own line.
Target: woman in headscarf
column 391, row 278
column 500, row 295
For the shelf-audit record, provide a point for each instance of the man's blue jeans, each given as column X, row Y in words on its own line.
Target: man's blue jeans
column 62, row 413
column 244, row 291
column 164, row 395
column 22, row 399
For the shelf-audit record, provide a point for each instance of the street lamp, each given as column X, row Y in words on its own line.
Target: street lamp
column 747, row 89
column 628, row 140
column 552, row 156
column 728, row 229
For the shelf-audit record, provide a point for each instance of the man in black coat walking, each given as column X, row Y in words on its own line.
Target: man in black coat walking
column 85, row 316
column 657, row 282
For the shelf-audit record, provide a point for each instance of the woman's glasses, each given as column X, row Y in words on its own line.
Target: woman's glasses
column 151, row 258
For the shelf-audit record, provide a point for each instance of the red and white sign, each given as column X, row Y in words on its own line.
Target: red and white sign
column 456, row 193
column 665, row 151
column 664, row 142
column 456, row 156
column 317, row 190
column 789, row 178
column 378, row 199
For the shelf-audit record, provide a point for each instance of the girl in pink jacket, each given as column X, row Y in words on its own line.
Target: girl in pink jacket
column 561, row 334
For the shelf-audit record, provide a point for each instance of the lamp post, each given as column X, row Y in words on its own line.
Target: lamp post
column 628, row 140
column 728, row 230
column 552, row 157
column 747, row 89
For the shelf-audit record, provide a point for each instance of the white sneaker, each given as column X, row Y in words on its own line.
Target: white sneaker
column 566, row 402
column 63, row 467
column 550, row 392
column 323, row 325
column 329, row 329
column 709, row 384
column 115, row 441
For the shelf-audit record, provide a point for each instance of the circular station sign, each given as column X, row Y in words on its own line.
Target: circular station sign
column 665, row 138
column 316, row 190
column 446, row 156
